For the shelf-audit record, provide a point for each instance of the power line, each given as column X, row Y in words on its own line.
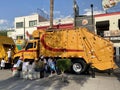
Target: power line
column 42, row 13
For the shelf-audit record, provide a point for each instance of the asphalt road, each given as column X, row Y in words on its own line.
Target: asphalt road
column 102, row 81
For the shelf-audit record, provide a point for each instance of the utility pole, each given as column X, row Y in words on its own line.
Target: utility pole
column 51, row 13
column 24, row 28
column 92, row 16
column 74, row 9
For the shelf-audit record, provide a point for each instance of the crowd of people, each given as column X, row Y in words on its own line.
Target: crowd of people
column 30, row 69
column 34, row 69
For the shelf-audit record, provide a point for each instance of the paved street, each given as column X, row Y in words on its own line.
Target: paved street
column 75, row 82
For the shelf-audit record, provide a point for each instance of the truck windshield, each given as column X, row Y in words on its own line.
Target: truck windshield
column 29, row 45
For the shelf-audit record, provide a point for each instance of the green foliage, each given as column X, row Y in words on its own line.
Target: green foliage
column 3, row 33
column 63, row 64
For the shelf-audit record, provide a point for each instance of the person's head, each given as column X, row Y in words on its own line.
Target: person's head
column 36, row 59
column 25, row 60
column 21, row 58
column 41, row 59
column 9, row 49
column 30, row 62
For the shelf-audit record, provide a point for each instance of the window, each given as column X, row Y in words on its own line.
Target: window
column 19, row 25
column 102, row 25
column 19, row 37
column 32, row 23
column 119, row 24
column 119, row 50
column 30, row 45
column 34, row 44
column 114, row 50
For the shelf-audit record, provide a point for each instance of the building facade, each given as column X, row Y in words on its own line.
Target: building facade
column 26, row 25
column 57, row 23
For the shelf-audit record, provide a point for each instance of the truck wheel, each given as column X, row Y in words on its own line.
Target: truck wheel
column 79, row 67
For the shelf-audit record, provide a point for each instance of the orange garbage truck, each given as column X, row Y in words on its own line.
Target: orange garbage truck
column 7, row 43
column 79, row 45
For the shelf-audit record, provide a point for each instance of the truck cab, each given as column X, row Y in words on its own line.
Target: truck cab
column 30, row 51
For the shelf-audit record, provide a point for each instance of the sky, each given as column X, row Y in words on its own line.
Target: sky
column 9, row 9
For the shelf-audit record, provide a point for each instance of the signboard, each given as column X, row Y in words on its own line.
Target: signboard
column 112, row 33
column 84, row 21
column 114, row 38
column 109, row 3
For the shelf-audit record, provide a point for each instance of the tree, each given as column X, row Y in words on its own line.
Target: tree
column 63, row 65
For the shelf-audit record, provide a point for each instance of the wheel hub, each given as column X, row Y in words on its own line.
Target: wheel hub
column 77, row 67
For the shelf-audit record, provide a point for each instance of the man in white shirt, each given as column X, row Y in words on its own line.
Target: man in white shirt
column 2, row 65
column 19, row 66
column 9, row 56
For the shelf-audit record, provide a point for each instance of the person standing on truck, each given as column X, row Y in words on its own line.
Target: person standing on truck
column 2, row 64
column 9, row 56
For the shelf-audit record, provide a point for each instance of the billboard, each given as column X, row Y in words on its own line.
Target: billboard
column 109, row 3
column 85, row 21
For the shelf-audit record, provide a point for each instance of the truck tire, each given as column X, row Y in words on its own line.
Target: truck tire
column 79, row 67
